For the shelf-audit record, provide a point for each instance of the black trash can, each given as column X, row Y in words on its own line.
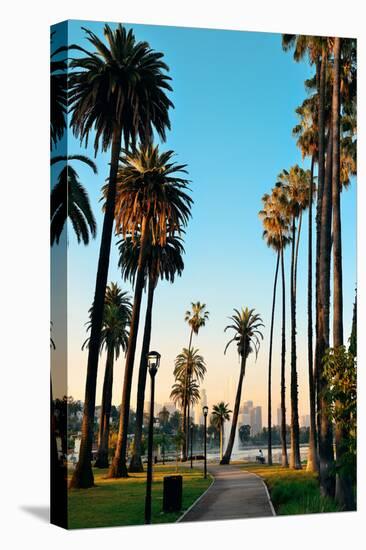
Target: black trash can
column 172, row 494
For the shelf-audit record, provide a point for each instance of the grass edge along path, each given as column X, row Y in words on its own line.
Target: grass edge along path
column 292, row 491
column 121, row 502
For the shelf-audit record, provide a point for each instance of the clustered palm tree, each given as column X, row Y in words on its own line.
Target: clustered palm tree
column 326, row 133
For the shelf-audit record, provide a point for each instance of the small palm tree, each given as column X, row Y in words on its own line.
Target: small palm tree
column 151, row 204
column 247, row 335
column 182, row 391
column 196, row 318
column 188, row 364
column 220, row 413
column 69, row 199
column 114, row 338
column 118, row 92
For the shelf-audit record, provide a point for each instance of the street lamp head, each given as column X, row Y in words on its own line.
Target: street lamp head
column 205, row 410
column 153, row 361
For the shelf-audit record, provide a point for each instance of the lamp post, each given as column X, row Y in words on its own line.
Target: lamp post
column 153, row 362
column 191, row 444
column 205, row 412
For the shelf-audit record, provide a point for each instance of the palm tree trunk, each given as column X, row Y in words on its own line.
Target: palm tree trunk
column 312, row 462
column 118, row 467
column 270, row 363
column 284, row 459
column 295, row 461
column 187, row 430
column 326, row 455
column 229, row 448
column 321, row 75
column 221, row 439
column 343, row 491
column 83, row 474
column 103, row 437
column 184, row 427
column 136, row 462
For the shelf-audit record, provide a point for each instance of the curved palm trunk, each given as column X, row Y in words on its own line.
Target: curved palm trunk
column 270, row 363
column 136, row 462
column 312, row 461
column 118, row 467
column 343, row 492
column 83, row 474
column 229, row 448
column 326, row 455
column 103, row 436
column 284, row 459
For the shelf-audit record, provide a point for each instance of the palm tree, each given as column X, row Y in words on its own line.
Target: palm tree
column 246, row 326
column 114, row 338
column 165, row 262
column 220, row 413
column 58, row 72
column 196, row 319
column 295, row 187
column 70, row 199
column 183, row 390
column 276, row 236
column 307, row 140
column 151, row 204
column 118, row 91
column 188, row 364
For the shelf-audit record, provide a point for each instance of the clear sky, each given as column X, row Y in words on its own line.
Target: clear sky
column 234, row 94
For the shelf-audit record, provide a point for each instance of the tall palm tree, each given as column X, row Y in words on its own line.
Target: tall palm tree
column 119, row 91
column 151, row 204
column 220, row 413
column 165, row 262
column 295, row 187
column 190, row 364
column 276, row 236
column 247, row 335
column 69, row 199
column 307, row 140
column 196, row 319
column 114, row 338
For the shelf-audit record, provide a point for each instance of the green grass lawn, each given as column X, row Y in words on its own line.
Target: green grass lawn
column 114, row 502
column 293, row 491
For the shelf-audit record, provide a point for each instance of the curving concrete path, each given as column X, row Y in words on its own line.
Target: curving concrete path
column 234, row 494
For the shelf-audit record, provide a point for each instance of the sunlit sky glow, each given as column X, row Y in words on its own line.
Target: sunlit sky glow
column 234, row 94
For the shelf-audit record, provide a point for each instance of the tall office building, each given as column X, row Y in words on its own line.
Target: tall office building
column 256, row 420
column 279, row 416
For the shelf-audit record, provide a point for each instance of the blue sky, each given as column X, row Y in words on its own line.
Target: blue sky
column 235, row 93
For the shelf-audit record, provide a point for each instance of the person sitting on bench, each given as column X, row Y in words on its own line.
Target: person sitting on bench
column 260, row 458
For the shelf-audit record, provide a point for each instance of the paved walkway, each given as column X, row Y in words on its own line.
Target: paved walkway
column 235, row 494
